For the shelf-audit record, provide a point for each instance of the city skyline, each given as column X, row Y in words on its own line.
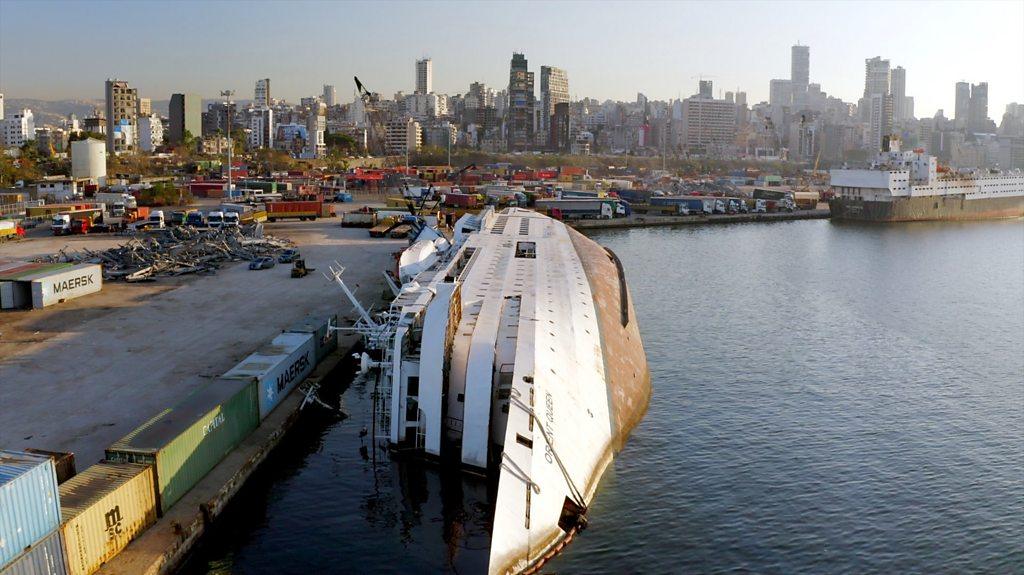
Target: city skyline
column 739, row 46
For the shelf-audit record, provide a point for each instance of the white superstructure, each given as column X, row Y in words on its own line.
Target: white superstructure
column 492, row 357
column 899, row 174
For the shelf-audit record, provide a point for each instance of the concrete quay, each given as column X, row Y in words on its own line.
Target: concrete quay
column 651, row 220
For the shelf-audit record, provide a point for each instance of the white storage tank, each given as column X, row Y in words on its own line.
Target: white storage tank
column 89, row 160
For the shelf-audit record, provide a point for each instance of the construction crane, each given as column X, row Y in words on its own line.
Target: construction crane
column 374, row 121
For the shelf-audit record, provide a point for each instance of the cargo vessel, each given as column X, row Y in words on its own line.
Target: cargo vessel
column 905, row 186
column 512, row 350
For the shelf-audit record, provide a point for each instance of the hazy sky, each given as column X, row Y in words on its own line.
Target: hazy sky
column 59, row 50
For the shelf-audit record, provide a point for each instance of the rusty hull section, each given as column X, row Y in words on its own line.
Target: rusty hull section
column 625, row 363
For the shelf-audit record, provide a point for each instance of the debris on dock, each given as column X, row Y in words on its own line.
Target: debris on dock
column 176, row 251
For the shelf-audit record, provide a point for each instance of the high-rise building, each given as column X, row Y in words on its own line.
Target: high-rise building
column 150, row 133
column 963, row 104
column 122, row 116
column 330, row 95
column 730, row 97
column 403, row 136
column 898, row 89
column 17, row 128
column 800, row 67
column 880, row 119
column 521, row 102
column 261, row 128
column 1, row 106
column 780, row 92
column 144, row 107
column 554, row 90
column 705, row 89
column 876, row 76
column 741, row 98
column 261, row 95
column 558, row 135
column 978, row 108
column 707, row 123
column 186, row 115
column 424, row 76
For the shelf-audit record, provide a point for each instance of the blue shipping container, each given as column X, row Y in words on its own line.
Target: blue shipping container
column 29, row 502
column 277, row 368
column 44, row 558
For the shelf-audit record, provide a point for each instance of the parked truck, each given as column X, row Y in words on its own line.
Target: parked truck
column 215, row 219
column 10, row 230
column 195, row 218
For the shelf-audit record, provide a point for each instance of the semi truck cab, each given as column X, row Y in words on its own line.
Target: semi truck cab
column 215, row 219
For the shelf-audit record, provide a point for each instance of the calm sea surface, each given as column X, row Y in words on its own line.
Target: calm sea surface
column 828, row 398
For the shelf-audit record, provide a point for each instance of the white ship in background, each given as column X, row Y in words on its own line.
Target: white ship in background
column 513, row 350
column 903, row 186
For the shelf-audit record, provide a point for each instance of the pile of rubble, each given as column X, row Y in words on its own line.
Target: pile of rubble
column 176, row 251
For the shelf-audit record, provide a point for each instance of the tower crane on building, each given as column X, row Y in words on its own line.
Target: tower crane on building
column 376, row 141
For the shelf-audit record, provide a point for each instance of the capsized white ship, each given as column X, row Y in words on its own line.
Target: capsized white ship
column 514, row 351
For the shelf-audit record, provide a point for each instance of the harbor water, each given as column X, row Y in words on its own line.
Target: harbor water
column 828, row 398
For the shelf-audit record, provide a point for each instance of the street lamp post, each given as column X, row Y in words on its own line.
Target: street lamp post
column 231, row 144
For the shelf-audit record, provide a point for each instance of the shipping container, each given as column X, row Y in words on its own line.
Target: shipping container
column 299, row 209
column 47, row 557
column 277, row 368
column 52, row 287
column 63, row 462
column 103, row 508
column 359, row 219
column 29, row 502
column 325, row 340
column 186, row 441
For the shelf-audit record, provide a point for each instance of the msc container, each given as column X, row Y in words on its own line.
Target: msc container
column 56, row 286
column 185, row 442
column 103, row 509
column 63, row 462
column 325, row 340
column 277, row 368
column 29, row 503
column 46, row 557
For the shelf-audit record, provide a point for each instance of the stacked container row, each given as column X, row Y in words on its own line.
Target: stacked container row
column 276, row 369
column 185, row 442
column 29, row 503
column 104, row 508
column 46, row 557
column 325, row 339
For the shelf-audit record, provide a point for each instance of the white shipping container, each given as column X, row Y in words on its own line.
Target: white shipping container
column 57, row 286
column 277, row 368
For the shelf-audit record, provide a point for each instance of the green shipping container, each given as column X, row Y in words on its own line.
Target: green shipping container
column 185, row 442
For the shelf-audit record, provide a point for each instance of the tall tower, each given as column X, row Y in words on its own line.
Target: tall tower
column 424, row 76
column 554, row 89
column 977, row 118
column 876, row 76
column 261, row 94
column 898, row 89
column 800, row 67
column 705, row 89
column 122, row 116
column 330, row 95
column 878, row 99
column 963, row 104
column 521, row 103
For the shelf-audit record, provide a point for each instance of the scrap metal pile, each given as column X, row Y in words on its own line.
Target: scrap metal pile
column 176, row 251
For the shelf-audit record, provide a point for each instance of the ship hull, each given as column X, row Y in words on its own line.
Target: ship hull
column 953, row 207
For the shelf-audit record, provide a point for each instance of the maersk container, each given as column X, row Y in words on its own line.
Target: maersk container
column 185, row 442
column 325, row 340
column 46, row 557
column 104, row 508
column 29, row 503
column 49, row 288
column 277, row 368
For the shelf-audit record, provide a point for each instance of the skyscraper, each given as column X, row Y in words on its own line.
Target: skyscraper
column 186, row 115
column 122, row 118
column 800, row 67
column 780, row 92
column 978, row 110
column 876, row 76
column 705, row 89
column 261, row 95
column 521, row 102
column 963, row 104
column 424, row 76
column 554, row 89
column 898, row 89
column 878, row 100
column 330, row 95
